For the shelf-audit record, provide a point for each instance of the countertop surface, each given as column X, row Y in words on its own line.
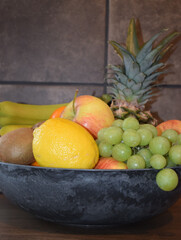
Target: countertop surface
column 17, row 224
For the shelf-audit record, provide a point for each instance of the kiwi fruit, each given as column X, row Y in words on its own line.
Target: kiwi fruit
column 37, row 124
column 16, row 146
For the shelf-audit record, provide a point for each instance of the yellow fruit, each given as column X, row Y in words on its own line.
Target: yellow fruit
column 62, row 143
column 9, row 128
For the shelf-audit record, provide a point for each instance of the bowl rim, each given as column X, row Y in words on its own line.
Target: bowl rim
column 84, row 170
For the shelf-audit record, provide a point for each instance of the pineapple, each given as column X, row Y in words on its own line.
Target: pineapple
column 132, row 82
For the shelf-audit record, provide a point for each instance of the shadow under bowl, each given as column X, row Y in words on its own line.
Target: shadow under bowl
column 86, row 197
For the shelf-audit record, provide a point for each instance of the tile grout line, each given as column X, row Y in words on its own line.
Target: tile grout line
column 171, row 86
column 106, row 44
column 50, row 83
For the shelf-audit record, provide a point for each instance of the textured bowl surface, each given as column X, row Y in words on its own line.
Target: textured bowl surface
column 86, row 197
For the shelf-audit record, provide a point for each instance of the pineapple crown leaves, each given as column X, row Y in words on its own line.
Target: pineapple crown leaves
column 146, row 49
column 131, row 66
column 148, row 56
column 129, row 83
column 135, row 78
column 132, row 43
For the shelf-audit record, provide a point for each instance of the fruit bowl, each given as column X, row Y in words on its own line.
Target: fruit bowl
column 86, row 197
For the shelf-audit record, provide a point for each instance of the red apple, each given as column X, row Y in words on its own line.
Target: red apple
column 110, row 163
column 90, row 112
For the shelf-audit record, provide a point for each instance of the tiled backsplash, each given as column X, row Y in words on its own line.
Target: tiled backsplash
column 49, row 48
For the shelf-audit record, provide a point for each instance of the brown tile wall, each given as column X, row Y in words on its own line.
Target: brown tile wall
column 60, row 43
column 49, row 48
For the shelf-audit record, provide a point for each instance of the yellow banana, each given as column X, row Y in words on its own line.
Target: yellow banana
column 17, row 121
column 19, row 113
column 9, row 128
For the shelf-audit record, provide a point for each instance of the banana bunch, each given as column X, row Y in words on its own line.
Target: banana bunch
column 15, row 115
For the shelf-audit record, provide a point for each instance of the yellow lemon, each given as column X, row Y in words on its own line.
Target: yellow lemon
column 62, row 143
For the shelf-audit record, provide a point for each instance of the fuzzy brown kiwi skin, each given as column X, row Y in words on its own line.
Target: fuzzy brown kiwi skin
column 16, row 147
column 37, row 125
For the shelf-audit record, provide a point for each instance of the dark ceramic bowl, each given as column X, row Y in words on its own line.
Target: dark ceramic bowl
column 86, row 197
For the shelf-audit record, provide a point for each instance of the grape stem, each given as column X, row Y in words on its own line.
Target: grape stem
column 135, row 150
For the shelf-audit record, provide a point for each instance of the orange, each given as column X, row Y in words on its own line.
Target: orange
column 57, row 112
column 62, row 143
column 35, row 164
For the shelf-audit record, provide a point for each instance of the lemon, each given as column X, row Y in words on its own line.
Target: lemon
column 62, row 143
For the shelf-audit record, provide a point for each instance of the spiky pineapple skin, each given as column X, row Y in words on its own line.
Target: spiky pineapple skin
column 122, row 110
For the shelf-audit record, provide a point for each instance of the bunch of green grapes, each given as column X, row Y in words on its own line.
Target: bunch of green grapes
column 139, row 147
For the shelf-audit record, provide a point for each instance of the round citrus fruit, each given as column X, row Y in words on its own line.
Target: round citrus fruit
column 62, row 143
column 57, row 112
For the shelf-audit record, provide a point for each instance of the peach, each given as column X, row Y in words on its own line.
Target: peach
column 170, row 124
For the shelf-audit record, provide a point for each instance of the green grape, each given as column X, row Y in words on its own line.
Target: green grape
column 130, row 123
column 167, row 179
column 178, row 139
column 171, row 135
column 151, row 128
column 113, row 135
column 106, row 98
column 121, row 152
column 146, row 136
column 118, row 123
column 131, row 138
column 175, row 154
column 97, row 141
column 146, row 154
column 170, row 163
column 158, row 161
column 105, row 149
column 159, row 145
column 136, row 162
column 100, row 134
